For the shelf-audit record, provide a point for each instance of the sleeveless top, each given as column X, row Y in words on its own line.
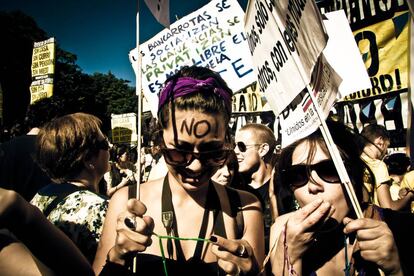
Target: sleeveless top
column 148, row 264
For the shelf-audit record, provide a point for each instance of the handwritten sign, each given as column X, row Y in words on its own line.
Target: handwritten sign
column 285, row 39
column 124, row 128
column 212, row 36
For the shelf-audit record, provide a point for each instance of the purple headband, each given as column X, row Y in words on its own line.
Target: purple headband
column 186, row 85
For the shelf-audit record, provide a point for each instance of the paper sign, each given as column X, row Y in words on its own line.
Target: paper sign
column 212, row 36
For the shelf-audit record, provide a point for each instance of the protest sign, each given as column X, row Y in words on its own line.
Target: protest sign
column 381, row 31
column 124, row 128
column 300, row 119
column 248, row 99
column 43, row 68
column 343, row 54
column 285, row 39
column 41, row 88
column 212, row 36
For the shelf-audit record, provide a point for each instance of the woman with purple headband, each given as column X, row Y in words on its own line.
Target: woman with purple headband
column 185, row 224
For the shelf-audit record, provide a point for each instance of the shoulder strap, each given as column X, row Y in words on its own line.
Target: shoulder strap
column 236, row 210
column 132, row 191
column 69, row 189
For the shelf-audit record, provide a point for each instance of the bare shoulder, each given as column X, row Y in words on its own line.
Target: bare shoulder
column 247, row 198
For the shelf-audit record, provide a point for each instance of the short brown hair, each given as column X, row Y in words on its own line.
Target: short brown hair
column 65, row 142
column 262, row 134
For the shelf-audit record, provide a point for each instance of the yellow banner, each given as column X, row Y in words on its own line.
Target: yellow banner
column 43, row 58
column 124, row 128
column 248, row 99
column 384, row 48
column 41, row 89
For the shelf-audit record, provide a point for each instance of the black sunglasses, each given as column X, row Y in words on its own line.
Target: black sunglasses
column 103, row 144
column 298, row 175
column 177, row 157
column 243, row 147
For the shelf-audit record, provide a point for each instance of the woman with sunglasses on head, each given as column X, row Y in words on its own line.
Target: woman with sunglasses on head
column 75, row 154
column 194, row 111
column 319, row 237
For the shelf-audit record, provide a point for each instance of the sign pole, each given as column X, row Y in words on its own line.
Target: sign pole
column 138, row 92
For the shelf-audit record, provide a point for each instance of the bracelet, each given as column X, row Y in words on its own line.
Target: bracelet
column 286, row 257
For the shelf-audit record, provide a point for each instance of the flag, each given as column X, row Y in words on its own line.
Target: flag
column 161, row 11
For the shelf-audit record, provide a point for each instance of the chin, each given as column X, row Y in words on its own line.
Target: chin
column 194, row 185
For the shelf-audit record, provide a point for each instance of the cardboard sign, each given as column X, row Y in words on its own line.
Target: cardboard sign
column 212, row 36
column 124, row 128
column 43, row 68
column 285, row 39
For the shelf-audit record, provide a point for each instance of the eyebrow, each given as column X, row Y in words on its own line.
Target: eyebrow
column 207, row 146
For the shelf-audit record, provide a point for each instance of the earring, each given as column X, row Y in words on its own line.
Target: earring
column 91, row 166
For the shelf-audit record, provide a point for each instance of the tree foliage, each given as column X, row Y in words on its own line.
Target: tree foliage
column 99, row 94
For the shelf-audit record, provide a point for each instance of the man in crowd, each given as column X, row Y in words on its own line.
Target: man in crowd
column 255, row 145
column 375, row 142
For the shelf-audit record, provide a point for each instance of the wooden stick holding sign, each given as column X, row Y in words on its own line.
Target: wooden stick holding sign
column 138, row 91
column 336, row 157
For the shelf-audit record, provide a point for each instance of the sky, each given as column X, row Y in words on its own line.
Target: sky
column 100, row 32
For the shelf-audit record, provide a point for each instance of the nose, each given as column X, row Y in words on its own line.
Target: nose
column 315, row 184
column 225, row 171
column 238, row 152
column 195, row 165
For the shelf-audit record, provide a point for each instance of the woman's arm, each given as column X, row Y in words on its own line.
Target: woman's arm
column 46, row 242
column 117, row 205
column 385, row 200
column 118, row 239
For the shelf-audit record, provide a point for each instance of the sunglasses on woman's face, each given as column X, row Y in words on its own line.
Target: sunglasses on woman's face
column 177, row 157
column 298, row 175
column 243, row 147
column 103, row 144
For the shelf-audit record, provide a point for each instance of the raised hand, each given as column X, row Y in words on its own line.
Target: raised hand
column 302, row 225
column 134, row 232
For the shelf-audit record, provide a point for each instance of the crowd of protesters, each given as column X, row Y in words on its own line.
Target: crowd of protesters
column 206, row 201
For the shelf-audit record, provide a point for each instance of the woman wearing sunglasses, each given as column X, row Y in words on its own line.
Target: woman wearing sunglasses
column 319, row 237
column 194, row 111
column 75, row 154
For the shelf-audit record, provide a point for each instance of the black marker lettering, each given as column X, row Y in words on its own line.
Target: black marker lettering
column 187, row 128
column 199, row 134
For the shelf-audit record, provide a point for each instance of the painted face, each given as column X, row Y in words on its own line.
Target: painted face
column 197, row 133
column 316, row 187
column 223, row 176
column 246, row 151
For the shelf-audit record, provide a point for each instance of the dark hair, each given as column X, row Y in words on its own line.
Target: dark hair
column 262, row 134
column 346, row 142
column 205, row 100
column 372, row 131
column 41, row 112
column 65, row 142
column 397, row 163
